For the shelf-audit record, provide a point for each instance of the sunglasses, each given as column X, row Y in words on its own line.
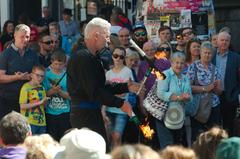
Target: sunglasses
column 118, row 56
column 137, row 34
column 179, row 37
column 47, row 42
column 165, row 49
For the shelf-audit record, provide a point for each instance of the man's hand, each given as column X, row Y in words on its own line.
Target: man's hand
column 133, row 86
column 126, row 107
column 22, row 76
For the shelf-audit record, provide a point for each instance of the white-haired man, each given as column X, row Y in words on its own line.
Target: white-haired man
column 16, row 63
column 87, row 84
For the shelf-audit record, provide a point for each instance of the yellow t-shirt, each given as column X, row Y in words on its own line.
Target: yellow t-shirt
column 31, row 94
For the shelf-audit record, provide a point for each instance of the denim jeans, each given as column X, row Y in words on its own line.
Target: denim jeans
column 166, row 136
column 37, row 130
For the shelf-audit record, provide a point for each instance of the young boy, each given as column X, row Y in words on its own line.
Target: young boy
column 33, row 99
column 58, row 107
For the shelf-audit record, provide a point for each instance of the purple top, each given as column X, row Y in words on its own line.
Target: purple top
column 161, row 64
column 13, row 152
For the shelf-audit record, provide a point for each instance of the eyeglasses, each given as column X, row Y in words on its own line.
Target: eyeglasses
column 38, row 75
column 118, row 56
column 179, row 37
column 55, row 42
column 137, row 34
column 165, row 49
column 187, row 33
column 47, row 42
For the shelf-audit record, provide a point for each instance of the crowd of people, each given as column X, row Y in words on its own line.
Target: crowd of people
column 76, row 87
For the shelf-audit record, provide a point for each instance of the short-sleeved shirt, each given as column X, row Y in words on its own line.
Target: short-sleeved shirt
column 12, row 62
column 204, row 77
column 57, row 104
column 32, row 94
column 121, row 77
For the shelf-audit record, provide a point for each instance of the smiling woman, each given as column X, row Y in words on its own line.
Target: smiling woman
column 205, row 78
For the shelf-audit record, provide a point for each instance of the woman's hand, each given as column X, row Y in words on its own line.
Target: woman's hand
column 185, row 96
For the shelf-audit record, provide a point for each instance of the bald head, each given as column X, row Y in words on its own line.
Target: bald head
column 149, row 48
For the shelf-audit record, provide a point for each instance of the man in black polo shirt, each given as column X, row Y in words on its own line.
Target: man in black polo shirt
column 16, row 63
column 87, row 83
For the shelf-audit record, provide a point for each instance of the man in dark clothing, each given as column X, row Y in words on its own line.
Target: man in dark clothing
column 45, row 46
column 16, row 63
column 87, row 83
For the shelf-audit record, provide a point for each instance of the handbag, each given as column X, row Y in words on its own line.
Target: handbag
column 154, row 105
column 175, row 115
column 204, row 103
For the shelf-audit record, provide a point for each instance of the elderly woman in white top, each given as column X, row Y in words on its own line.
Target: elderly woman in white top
column 205, row 80
column 175, row 90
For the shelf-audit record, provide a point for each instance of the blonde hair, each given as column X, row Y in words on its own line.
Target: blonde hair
column 44, row 143
column 22, row 28
column 177, row 152
column 206, row 144
column 137, row 151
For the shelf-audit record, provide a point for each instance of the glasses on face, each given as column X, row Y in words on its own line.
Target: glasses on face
column 47, row 42
column 39, row 75
column 179, row 37
column 138, row 34
column 165, row 49
column 54, row 42
column 118, row 56
column 187, row 33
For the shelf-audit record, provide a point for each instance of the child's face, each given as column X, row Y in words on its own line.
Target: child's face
column 37, row 76
column 57, row 65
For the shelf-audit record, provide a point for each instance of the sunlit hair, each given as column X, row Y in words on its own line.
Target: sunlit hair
column 95, row 23
column 207, row 45
column 44, row 142
column 22, row 28
column 206, row 143
column 178, row 55
column 137, row 151
column 177, row 152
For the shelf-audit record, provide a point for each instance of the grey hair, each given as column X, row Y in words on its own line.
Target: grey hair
column 131, row 53
column 95, row 23
column 22, row 28
column 224, row 33
column 178, row 55
column 207, row 45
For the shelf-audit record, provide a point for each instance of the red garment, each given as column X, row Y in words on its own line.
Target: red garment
column 1, row 48
column 34, row 34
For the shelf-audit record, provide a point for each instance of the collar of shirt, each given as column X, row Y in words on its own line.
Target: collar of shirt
column 222, row 55
column 172, row 73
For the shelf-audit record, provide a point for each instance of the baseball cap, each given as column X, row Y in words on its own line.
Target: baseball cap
column 139, row 25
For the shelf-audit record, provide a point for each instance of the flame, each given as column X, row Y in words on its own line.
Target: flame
column 160, row 55
column 158, row 74
column 147, row 131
